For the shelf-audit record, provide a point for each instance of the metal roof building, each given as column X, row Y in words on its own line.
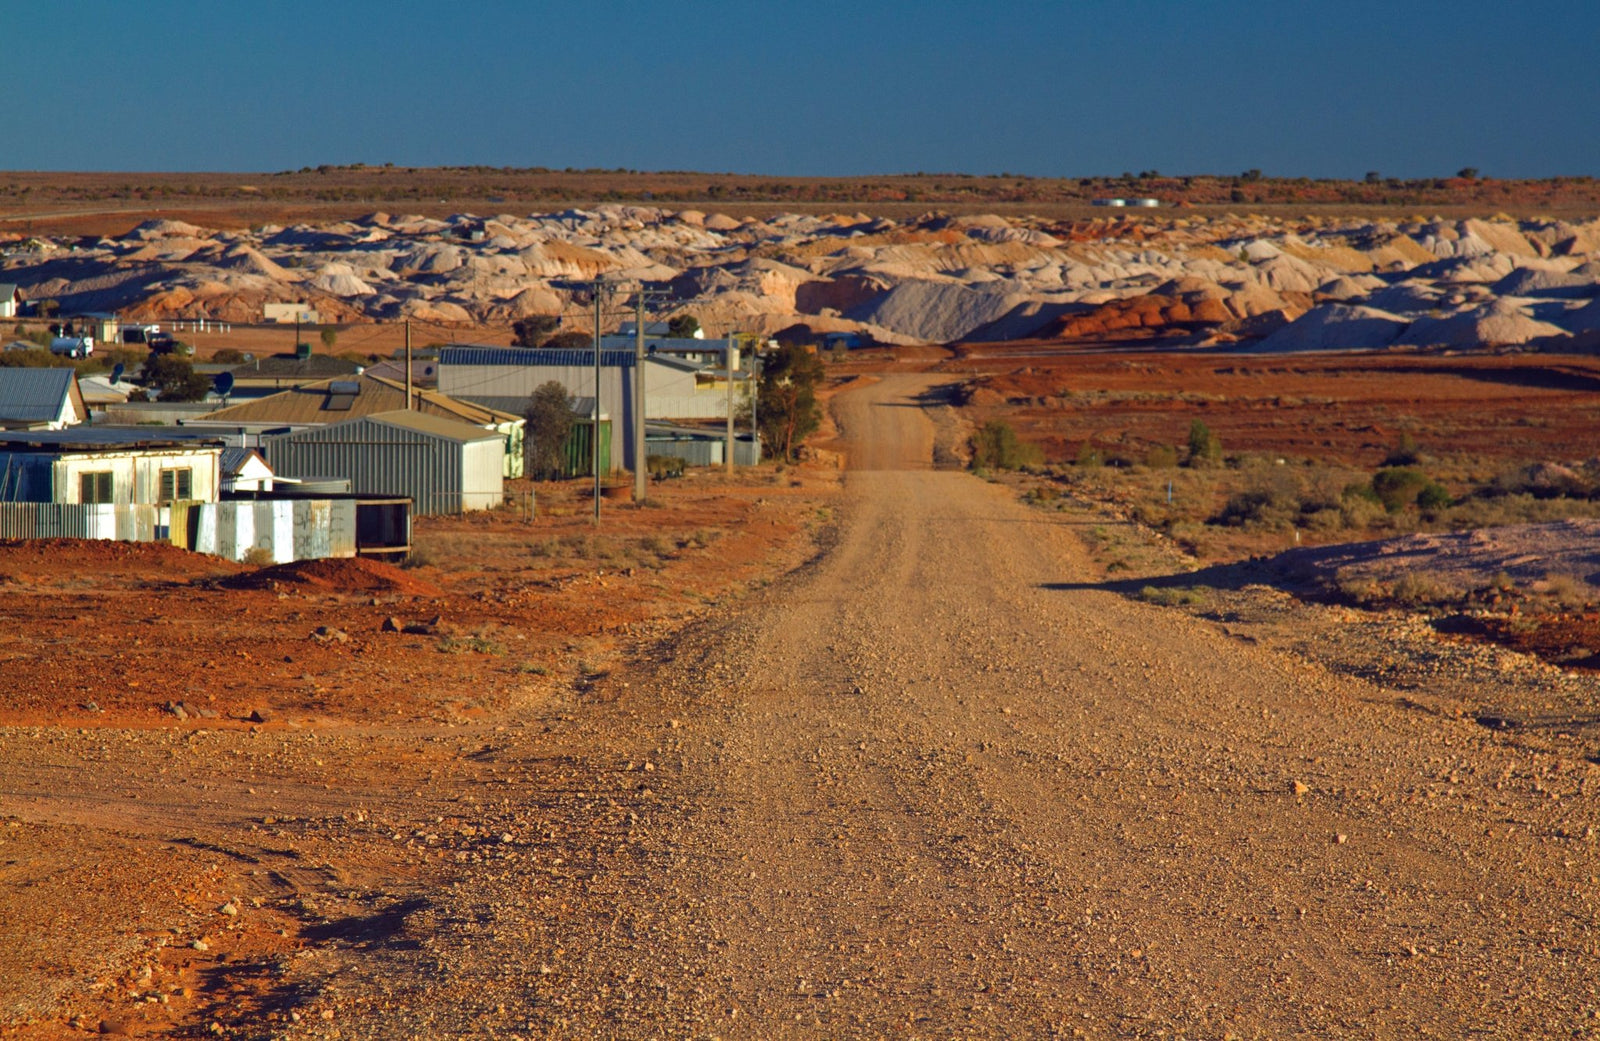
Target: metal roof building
column 674, row 388
column 333, row 401
column 442, row 465
column 40, row 399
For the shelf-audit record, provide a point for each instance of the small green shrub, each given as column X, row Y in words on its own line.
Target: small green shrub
column 996, row 446
column 1205, row 449
column 663, row 467
column 1434, row 496
column 1176, row 596
column 1398, row 486
column 1161, row 457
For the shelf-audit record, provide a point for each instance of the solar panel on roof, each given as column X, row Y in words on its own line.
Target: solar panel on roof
column 351, row 387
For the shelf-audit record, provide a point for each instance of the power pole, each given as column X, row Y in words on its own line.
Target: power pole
column 594, row 441
column 640, row 456
column 727, row 363
column 754, row 383
column 408, row 365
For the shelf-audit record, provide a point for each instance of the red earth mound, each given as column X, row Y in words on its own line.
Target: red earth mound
column 105, row 558
column 1151, row 313
column 338, row 575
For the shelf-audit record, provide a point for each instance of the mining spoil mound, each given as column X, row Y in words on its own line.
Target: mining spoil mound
column 335, row 575
column 46, row 560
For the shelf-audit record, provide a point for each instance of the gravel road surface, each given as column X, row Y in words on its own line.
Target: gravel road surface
column 939, row 784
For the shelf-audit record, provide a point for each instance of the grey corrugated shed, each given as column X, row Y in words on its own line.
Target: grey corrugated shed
column 33, row 395
column 443, row 466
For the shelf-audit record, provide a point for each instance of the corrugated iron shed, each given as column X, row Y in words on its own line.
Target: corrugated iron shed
column 38, row 395
column 443, row 465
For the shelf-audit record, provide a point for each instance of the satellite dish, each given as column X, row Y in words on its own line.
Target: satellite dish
column 116, row 373
column 222, row 383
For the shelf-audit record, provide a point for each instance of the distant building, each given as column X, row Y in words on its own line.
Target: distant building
column 278, row 372
column 1108, row 202
column 695, row 349
column 655, row 330
column 245, row 470
column 505, row 377
column 10, row 300
column 289, row 314
column 40, row 399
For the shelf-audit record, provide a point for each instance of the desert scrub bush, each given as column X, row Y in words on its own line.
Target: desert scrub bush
column 996, row 446
column 1205, row 448
column 1273, row 501
column 1569, row 591
column 1420, row 588
column 1398, row 486
column 257, row 556
column 1161, row 457
column 1404, row 453
column 664, row 467
column 1088, row 456
column 477, row 643
column 1176, row 596
column 1358, row 589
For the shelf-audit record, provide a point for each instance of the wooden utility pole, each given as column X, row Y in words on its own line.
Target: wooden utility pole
column 408, row 365
column 638, row 399
column 727, row 363
column 594, row 441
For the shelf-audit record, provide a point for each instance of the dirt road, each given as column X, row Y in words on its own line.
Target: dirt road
column 939, row 783
column 933, row 786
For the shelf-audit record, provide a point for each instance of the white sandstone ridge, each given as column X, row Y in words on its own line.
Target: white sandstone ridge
column 1271, row 284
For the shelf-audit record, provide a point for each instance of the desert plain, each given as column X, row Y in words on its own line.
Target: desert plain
column 1157, row 732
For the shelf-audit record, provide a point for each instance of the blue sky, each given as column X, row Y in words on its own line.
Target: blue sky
column 815, row 87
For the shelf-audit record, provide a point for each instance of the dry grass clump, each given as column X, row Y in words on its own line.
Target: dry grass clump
column 1567, row 591
column 1176, row 596
column 1411, row 589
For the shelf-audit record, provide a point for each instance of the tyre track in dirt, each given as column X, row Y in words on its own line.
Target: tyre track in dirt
column 939, row 784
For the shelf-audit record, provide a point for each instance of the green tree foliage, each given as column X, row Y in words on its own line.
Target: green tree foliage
column 550, row 418
column 683, row 326
column 1468, row 173
column 1400, row 486
column 1204, row 447
column 787, row 397
column 172, row 378
column 533, row 330
column 330, row 336
column 996, row 447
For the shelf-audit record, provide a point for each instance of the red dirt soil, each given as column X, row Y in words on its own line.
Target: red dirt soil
column 351, row 574
column 1348, row 408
